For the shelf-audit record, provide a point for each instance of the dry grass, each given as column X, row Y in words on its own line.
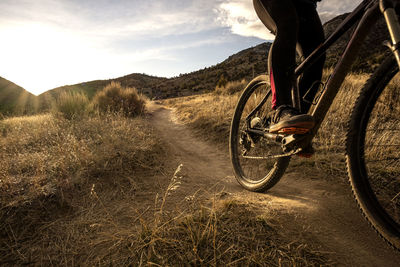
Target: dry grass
column 109, row 224
column 230, row 88
column 115, row 98
column 229, row 233
column 59, row 178
column 71, row 105
column 41, row 155
column 330, row 141
column 211, row 115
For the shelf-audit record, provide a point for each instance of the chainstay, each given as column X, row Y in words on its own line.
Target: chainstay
column 291, row 153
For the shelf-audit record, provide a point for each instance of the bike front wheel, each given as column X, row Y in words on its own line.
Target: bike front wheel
column 257, row 161
column 373, row 151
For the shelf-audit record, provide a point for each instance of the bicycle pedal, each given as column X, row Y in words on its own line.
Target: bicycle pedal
column 293, row 130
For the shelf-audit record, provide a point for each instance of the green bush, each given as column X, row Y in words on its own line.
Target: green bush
column 115, row 98
column 71, row 105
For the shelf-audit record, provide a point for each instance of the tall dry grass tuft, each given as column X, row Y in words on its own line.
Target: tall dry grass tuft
column 115, row 98
column 230, row 88
column 71, row 105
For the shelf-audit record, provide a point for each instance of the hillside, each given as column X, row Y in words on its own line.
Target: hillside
column 371, row 53
column 15, row 99
column 244, row 65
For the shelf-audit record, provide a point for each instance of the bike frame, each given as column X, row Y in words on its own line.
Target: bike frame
column 367, row 13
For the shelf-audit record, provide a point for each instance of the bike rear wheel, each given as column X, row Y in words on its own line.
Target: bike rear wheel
column 373, row 151
column 252, row 155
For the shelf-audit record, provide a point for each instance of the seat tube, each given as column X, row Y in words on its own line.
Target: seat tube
column 296, row 96
column 392, row 22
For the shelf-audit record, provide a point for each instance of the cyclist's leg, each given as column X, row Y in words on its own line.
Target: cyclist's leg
column 310, row 36
column 280, row 17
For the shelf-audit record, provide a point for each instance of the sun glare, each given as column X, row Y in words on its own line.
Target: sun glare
column 39, row 57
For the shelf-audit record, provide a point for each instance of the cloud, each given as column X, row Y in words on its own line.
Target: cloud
column 326, row 16
column 241, row 18
column 114, row 18
column 329, row 9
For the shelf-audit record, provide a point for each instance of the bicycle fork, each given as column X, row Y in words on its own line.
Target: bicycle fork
column 392, row 22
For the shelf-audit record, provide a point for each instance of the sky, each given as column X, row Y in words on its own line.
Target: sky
column 50, row 43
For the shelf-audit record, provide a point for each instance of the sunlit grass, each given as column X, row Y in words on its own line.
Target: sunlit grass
column 71, row 105
column 210, row 114
column 231, row 88
column 115, row 98
column 15, row 101
column 41, row 155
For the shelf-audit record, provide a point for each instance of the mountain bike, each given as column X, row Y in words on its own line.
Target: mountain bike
column 260, row 158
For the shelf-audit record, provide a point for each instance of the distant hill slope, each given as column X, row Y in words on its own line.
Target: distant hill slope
column 15, row 99
column 371, row 53
column 244, row 65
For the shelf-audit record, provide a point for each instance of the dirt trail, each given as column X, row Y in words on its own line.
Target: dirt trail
column 325, row 210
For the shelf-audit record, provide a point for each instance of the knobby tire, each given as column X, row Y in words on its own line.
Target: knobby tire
column 252, row 174
column 373, row 152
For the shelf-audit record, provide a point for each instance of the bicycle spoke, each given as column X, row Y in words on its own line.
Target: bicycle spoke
column 382, row 154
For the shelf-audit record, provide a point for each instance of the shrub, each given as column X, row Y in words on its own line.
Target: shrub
column 222, row 81
column 115, row 98
column 71, row 105
column 231, row 88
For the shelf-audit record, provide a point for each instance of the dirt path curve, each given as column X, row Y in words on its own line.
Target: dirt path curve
column 325, row 210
